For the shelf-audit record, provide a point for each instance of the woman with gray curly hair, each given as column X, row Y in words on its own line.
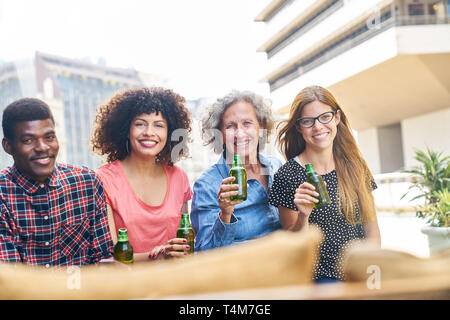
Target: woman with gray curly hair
column 239, row 123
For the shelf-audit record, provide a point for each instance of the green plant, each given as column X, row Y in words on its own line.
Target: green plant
column 432, row 179
column 436, row 213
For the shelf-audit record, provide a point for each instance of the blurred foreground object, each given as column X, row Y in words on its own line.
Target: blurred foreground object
column 280, row 259
column 372, row 273
column 397, row 275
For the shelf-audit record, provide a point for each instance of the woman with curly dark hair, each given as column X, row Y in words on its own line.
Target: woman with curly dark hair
column 143, row 132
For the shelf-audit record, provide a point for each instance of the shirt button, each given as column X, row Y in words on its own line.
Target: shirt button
column 47, row 266
column 46, row 218
column 47, row 243
column 42, row 185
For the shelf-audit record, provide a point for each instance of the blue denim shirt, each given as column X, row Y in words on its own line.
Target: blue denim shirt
column 252, row 218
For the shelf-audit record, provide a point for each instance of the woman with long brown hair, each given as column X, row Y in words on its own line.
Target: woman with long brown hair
column 317, row 132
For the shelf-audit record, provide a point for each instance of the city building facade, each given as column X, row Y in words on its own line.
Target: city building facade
column 386, row 61
column 74, row 89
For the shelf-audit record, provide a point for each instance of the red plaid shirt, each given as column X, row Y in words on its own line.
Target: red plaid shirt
column 60, row 222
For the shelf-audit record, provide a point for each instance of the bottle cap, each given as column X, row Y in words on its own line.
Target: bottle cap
column 309, row 167
column 123, row 234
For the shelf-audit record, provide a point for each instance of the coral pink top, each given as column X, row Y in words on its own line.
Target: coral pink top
column 148, row 226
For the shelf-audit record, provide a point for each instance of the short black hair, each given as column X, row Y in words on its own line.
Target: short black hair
column 25, row 109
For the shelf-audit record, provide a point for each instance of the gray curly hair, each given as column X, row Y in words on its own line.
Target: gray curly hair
column 212, row 117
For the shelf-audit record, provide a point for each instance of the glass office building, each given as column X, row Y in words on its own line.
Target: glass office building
column 74, row 89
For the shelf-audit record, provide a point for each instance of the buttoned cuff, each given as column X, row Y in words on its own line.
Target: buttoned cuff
column 224, row 232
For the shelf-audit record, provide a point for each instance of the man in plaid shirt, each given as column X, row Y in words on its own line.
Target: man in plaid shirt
column 51, row 214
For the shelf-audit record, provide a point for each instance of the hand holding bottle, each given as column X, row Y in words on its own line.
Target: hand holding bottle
column 233, row 189
column 226, row 191
column 305, row 198
column 180, row 246
column 174, row 248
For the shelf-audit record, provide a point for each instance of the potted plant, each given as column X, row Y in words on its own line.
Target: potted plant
column 431, row 178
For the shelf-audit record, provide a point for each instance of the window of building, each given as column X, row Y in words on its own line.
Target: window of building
column 432, row 8
column 416, row 9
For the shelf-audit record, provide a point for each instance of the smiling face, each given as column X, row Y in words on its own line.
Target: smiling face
column 148, row 134
column 240, row 130
column 34, row 148
column 320, row 136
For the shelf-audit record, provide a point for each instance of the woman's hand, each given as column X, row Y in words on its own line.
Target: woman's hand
column 225, row 204
column 174, row 248
column 304, row 199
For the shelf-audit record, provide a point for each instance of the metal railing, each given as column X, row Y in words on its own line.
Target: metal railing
column 352, row 41
column 305, row 27
column 420, row 20
column 391, row 188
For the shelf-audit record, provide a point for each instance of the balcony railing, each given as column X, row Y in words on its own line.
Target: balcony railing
column 420, row 20
column 364, row 33
column 305, row 27
column 391, row 188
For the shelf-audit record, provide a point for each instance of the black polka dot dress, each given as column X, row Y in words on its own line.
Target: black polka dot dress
column 336, row 230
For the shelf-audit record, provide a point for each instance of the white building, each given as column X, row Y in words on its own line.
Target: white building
column 387, row 62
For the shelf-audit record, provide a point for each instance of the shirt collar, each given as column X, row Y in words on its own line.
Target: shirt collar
column 30, row 185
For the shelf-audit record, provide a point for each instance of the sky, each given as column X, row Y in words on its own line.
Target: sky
column 204, row 48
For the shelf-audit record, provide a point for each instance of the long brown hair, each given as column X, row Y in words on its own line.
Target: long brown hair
column 354, row 176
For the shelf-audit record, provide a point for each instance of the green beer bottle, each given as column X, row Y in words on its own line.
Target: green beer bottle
column 240, row 175
column 123, row 251
column 316, row 180
column 185, row 231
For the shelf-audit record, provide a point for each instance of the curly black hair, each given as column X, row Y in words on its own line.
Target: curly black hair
column 113, row 121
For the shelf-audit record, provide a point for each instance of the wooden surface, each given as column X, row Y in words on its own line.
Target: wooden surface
column 281, row 258
column 406, row 288
column 276, row 267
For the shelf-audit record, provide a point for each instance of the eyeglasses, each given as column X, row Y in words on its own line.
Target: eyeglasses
column 308, row 122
